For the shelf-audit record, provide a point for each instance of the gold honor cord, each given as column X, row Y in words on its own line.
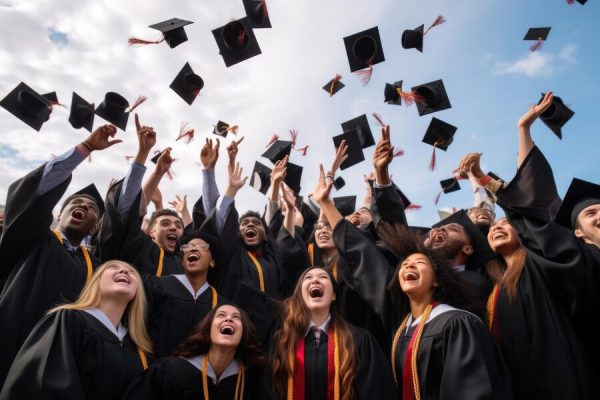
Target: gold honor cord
column 161, row 257
column 143, row 358
column 86, row 256
column 259, row 270
column 214, row 297
column 239, row 385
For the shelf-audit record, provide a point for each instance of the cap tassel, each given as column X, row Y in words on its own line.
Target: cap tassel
column 409, row 98
column 570, row 2
column 233, row 129
column 333, row 82
column 432, row 162
column 294, row 135
column 364, row 75
column 186, row 133
column 412, row 206
column 399, row 153
column 52, row 104
column 137, row 102
column 378, row 119
column 273, row 139
column 437, row 197
column 141, row 42
column 438, row 21
column 537, row 45
column 303, row 150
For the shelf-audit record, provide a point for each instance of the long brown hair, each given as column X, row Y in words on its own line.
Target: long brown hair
column 296, row 318
column 198, row 342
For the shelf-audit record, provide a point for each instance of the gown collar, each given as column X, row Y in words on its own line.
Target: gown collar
column 120, row 332
column 232, row 369
column 188, row 285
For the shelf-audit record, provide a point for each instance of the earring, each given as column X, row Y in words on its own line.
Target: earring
column 212, row 263
column 435, row 284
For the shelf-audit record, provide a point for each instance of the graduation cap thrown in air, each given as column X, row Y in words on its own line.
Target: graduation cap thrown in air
column 261, row 177
column 236, row 41
column 339, row 183
column 450, row 185
column 27, row 105
column 361, row 125
column 432, row 97
column 82, row 113
column 539, row 35
column 187, row 84
column 355, row 153
column 580, row 195
column 556, row 115
column 364, row 49
column 51, row 97
column 293, row 177
column 346, row 205
column 221, row 129
column 278, row 150
column 439, row 134
column 257, row 13
column 334, row 85
column 390, row 93
column 413, row 38
column 173, row 31
column 114, row 110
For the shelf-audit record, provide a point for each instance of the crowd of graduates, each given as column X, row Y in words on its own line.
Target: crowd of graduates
column 304, row 300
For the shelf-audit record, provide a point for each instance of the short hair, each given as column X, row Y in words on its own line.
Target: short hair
column 161, row 213
column 252, row 214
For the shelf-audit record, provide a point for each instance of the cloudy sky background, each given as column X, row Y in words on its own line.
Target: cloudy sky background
column 489, row 73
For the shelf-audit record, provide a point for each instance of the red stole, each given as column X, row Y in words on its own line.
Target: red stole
column 299, row 368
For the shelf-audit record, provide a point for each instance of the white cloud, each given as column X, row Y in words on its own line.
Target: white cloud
column 568, row 53
column 535, row 64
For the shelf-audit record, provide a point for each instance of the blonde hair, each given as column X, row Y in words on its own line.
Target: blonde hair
column 134, row 315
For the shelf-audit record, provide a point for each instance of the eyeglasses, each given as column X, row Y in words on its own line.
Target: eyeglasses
column 323, row 225
column 194, row 246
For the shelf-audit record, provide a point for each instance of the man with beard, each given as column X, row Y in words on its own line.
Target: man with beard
column 41, row 268
column 121, row 236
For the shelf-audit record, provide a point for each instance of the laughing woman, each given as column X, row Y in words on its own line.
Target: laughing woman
column 219, row 360
column 90, row 349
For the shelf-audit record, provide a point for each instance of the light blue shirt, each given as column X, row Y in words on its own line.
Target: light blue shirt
column 232, row 369
column 120, row 331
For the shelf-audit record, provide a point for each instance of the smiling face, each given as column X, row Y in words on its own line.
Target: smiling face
column 118, row 281
column 226, row 328
column 317, row 290
column 79, row 217
column 197, row 257
column 502, row 237
column 449, row 240
column 324, row 235
column 362, row 216
column 166, row 231
column 480, row 216
column 588, row 224
column 252, row 231
column 417, row 277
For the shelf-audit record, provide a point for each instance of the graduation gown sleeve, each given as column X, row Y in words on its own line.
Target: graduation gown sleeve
column 292, row 256
column 388, row 205
column 158, row 383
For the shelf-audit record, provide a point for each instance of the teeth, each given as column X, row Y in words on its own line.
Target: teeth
column 193, row 257
column 227, row 330
column 410, row 276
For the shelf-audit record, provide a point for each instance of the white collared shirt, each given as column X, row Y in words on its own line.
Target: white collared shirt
column 321, row 328
column 459, row 268
column 232, row 369
column 188, row 285
column 120, row 331
column 436, row 312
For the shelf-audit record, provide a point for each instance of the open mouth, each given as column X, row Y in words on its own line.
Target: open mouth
column 172, row 239
column 227, row 330
column 499, row 235
column 411, row 276
column 324, row 237
column 438, row 238
column 78, row 214
column 193, row 257
column 315, row 292
column 250, row 233
column 122, row 279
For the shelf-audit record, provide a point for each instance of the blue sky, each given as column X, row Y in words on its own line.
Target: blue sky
column 490, row 75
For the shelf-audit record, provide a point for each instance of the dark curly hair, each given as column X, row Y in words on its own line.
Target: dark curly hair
column 216, row 249
column 249, row 351
column 253, row 214
column 161, row 213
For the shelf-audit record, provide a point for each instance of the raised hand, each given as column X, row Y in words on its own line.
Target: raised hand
column 232, row 151
column 384, row 151
column 235, row 177
column 179, row 204
column 279, row 170
column 164, row 162
column 209, row 154
column 535, row 111
column 100, row 139
column 341, row 154
column 321, row 192
column 470, row 164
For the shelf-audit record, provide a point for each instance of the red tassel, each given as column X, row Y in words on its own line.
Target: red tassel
column 137, row 102
column 438, row 21
column 53, row 104
column 570, row 2
column 364, row 75
column 399, row 153
column 432, row 162
column 233, row 129
column 333, row 81
column 294, row 135
column 303, row 150
column 437, row 197
column 537, row 45
column 141, row 42
column 273, row 139
column 409, row 98
column 187, row 133
column 241, row 37
column 263, row 7
column 378, row 119
column 412, row 206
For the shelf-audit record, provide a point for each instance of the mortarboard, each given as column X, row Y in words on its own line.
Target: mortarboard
column 82, row 113
column 261, row 177
column 236, row 41
column 582, row 2
column 339, row 183
column 364, row 49
column 345, row 205
column 580, row 194
column 51, row 97
column 89, row 190
column 413, row 38
column 355, row 154
column 556, row 115
column 173, row 31
column 27, row 105
column 257, row 13
column 221, row 129
column 113, row 109
column 432, row 97
column 157, row 154
column 482, row 252
column 361, row 125
column 278, row 150
column 187, row 84
column 537, row 34
column 293, row 177
column 439, row 134
column 450, row 185
column 390, row 93
column 334, row 85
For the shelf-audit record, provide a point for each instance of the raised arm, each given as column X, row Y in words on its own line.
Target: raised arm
column 210, row 192
column 524, row 125
column 277, row 177
column 180, row 205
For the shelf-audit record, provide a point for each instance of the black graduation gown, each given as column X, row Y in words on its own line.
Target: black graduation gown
column 174, row 378
column 72, row 355
column 457, row 359
column 173, row 312
column 549, row 333
column 239, row 267
column 38, row 271
column 122, row 238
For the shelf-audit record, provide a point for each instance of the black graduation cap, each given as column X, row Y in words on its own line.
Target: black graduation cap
column 439, row 134
column 580, row 194
column 339, row 183
column 449, row 185
column 278, row 150
column 92, row 191
column 236, row 41
column 82, row 113
column 187, row 84
column 355, row 154
column 27, row 105
column 432, row 97
column 556, row 115
column 413, row 38
column 390, row 93
column 421, row 231
column 157, row 154
column 221, row 129
column 346, row 205
column 364, row 49
column 337, row 86
column 293, row 177
column 257, row 13
column 482, row 252
column 51, row 97
column 113, row 109
column 173, row 31
column 361, row 125
column 537, row 33
column 582, row 2
column 261, row 177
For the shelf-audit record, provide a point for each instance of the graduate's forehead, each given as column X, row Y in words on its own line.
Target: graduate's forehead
column 84, row 199
column 227, row 309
